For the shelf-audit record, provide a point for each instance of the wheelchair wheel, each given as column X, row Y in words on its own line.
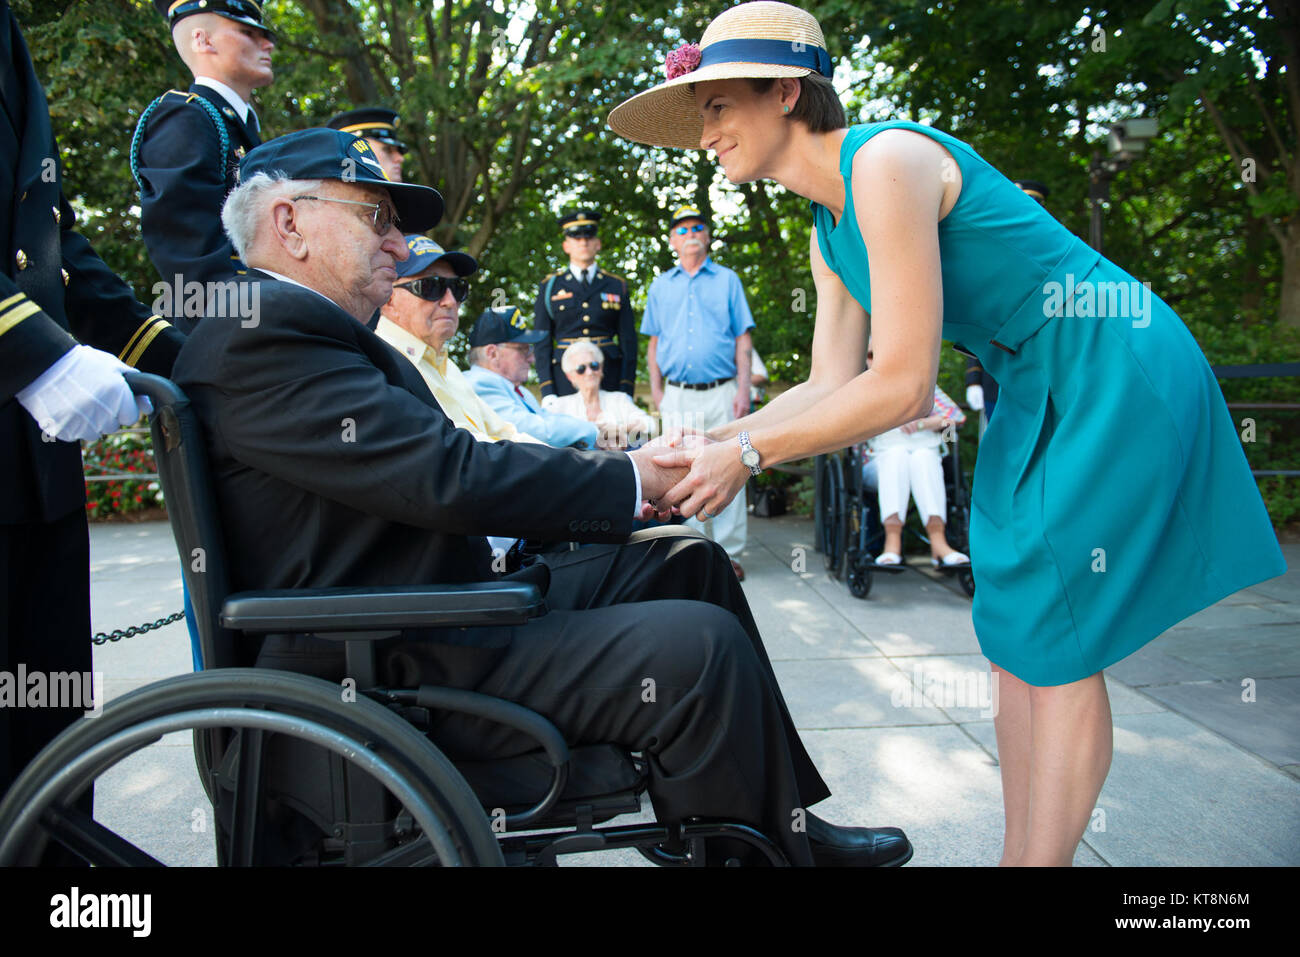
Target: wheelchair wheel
column 859, row 574
column 966, row 579
column 832, row 515
column 40, row 806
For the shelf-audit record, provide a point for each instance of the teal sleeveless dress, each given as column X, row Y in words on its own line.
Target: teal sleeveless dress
column 1111, row 496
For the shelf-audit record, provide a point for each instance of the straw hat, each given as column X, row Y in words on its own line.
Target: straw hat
column 760, row 39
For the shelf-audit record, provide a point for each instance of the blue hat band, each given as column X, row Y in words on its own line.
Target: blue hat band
column 780, row 52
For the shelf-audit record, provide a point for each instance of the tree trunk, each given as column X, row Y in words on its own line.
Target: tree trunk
column 1289, row 309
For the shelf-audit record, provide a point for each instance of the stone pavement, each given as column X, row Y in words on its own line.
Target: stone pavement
column 890, row 696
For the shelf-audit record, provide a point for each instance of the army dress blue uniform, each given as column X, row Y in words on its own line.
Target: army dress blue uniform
column 54, row 292
column 184, row 179
column 599, row 311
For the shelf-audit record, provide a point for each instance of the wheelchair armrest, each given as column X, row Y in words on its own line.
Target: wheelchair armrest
column 354, row 609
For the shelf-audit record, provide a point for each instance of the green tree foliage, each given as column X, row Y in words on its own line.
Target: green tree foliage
column 505, row 112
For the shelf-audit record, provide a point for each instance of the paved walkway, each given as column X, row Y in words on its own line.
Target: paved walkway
column 890, row 698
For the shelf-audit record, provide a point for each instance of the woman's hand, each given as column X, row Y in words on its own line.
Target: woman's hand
column 716, row 475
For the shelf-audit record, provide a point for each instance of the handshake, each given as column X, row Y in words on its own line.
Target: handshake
column 687, row 472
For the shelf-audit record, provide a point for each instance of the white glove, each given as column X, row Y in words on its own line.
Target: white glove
column 975, row 397
column 548, row 401
column 82, row 396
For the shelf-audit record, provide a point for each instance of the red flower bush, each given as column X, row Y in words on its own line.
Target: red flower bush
column 122, row 453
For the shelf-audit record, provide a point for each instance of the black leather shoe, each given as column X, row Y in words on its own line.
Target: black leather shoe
column 834, row 846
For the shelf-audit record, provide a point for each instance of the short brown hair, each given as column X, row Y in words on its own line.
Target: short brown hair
column 819, row 106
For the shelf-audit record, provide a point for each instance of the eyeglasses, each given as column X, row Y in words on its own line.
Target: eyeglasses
column 581, row 232
column 433, row 288
column 697, row 228
column 594, row 366
column 382, row 219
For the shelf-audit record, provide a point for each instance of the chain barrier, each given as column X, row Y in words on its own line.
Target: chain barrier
column 104, row 638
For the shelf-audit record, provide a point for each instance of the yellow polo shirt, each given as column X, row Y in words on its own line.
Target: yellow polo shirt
column 455, row 396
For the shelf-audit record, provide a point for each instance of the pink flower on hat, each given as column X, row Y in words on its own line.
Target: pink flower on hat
column 683, row 60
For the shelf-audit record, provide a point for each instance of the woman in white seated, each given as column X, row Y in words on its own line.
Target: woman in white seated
column 621, row 421
column 906, row 461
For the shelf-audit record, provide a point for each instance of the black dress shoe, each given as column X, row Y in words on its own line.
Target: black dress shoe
column 834, row 846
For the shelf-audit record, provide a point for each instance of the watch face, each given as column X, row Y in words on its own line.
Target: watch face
column 749, row 457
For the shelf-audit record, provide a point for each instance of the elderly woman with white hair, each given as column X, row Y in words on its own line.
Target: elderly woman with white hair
column 621, row 421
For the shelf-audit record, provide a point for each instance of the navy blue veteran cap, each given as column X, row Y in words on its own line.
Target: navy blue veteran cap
column 321, row 153
column 425, row 252
column 241, row 11
column 372, row 122
column 687, row 212
column 503, row 325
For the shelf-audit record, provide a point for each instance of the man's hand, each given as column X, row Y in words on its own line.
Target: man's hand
column 655, row 479
column 975, row 397
column 82, row 396
column 740, row 404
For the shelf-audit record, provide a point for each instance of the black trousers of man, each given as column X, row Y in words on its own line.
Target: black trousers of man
column 664, row 608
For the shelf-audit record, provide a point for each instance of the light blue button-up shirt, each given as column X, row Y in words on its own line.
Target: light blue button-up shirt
column 698, row 320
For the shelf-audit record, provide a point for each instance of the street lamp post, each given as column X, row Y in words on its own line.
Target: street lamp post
column 1127, row 139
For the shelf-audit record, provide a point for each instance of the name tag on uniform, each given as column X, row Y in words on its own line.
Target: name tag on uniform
column 563, row 294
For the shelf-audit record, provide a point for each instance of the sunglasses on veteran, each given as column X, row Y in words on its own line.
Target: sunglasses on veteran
column 383, row 216
column 593, row 365
column 697, row 228
column 433, row 288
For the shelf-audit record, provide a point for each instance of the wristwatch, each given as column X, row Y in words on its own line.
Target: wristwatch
column 748, row 456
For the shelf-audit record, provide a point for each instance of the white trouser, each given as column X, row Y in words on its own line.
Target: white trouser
column 916, row 471
column 693, row 409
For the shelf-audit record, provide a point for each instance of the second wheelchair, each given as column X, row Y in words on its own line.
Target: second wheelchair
column 849, row 532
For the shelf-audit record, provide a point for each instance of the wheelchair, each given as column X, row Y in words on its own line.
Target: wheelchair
column 300, row 771
column 849, row 533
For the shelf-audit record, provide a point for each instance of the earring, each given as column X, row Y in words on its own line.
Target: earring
column 785, row 109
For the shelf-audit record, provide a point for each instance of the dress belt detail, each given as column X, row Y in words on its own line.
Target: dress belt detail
column 1032, row 315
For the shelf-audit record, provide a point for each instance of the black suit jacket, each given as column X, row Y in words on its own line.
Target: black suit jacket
column 334, row 464
column 601, row 312
column 183, row 184
column 52, row 288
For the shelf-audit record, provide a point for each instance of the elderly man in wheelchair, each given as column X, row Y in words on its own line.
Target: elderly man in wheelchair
column 311, row 463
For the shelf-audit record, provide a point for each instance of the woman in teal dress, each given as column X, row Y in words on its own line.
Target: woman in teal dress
column 1111, row 496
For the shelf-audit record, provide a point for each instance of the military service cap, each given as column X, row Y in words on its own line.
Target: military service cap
column 241, row 11
column 580, row 222
column 372, row 122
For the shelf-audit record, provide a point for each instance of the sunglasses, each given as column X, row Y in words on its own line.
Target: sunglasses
column 697, row 228
column 593, row 366
column 581, row 232
column 383, row 216
column 433, row 288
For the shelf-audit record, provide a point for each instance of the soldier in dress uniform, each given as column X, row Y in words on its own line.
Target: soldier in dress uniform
column 583, row 301
column 55, row 294
column 379, row 128
column 188, row 144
